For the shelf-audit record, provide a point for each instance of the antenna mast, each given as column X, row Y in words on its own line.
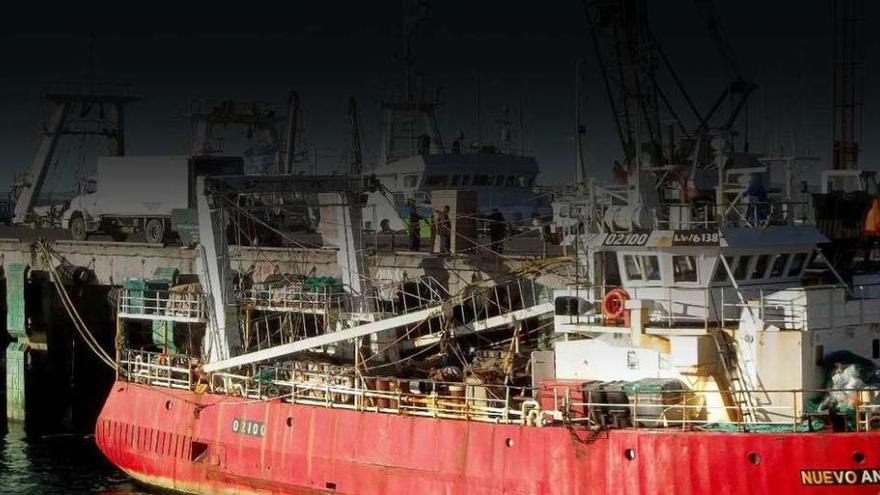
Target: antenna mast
column 356, row 157
column 847, row 68
column 579, row 173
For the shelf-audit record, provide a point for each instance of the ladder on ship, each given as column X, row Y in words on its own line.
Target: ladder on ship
column 737, row 380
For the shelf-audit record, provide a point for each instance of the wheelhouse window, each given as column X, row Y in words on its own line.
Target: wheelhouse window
column 778, row 269
column 721, row 271
column 742, row 267
column 761, row 265
column 499, row 181
column 645, row 268
column 456, row 179
column 482, row 180
column 651, row 266
column 436, row 180
column 411, row 181
column 465, row 180
column 511, row 181
column 684, row 269
column 797, row 264
column 632, row 267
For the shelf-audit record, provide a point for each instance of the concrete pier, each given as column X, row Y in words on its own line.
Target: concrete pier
column 50, row 372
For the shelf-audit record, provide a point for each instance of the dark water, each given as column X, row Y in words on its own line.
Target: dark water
column 65, row 464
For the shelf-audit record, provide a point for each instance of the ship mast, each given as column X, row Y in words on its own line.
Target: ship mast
column 579, row 172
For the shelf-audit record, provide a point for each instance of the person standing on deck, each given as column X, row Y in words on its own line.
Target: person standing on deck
column 497, row 231
column 444, row 230
column 415, row 227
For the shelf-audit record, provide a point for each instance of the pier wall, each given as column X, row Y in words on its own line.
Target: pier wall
column 51, row 374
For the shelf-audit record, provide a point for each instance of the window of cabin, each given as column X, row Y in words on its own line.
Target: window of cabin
column 465, row 180
column 761, row 265
column 742, row 267
column 632, row 267
column 482, row 180
column 522, row 181
column 797, row 264
column 499, row 181
column 645, row 268
column 456, row 179
column 779, row 263
column 651, row 267
column 411, row 181
column 399, row 199
column 721, row 271
column 511, row 181
column 684, row 268
column 436, row 180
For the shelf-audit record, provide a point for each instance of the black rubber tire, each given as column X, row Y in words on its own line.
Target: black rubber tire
column 77, row 228
column 154, row 231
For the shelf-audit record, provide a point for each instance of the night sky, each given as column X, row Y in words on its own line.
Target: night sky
column 523, row 54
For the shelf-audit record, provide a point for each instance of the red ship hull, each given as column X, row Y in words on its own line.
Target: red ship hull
column 217, row 444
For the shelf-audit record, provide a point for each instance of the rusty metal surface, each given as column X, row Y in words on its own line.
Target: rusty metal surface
column 276, row 447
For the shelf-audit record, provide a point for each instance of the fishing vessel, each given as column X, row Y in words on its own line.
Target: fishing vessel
column 686, row 348
column 415, row 160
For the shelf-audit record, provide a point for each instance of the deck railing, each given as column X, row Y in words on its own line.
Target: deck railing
column 686, row 216
column 168, row 305
column 394, row 298
column 295, row 299
column 341, row 388
column 791, row 308
column 153, row 368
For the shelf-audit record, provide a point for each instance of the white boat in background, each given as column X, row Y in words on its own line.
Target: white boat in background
column 502, row 181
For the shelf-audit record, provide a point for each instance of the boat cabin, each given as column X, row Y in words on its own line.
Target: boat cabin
column 502, row 181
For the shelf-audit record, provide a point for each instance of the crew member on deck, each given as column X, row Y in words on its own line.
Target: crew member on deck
column 415, row 227
column 497, row 231
column 444, row 230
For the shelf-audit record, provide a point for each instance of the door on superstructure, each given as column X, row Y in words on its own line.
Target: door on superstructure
column 607, row 271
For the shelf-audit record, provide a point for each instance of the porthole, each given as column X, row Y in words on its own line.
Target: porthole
column 289, row 421
column 168, row 405
column 509, row 442
column 754, row 458
column 630, row 454
column 858, row 457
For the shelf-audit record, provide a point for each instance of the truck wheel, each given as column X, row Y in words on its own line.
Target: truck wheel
column 155, row 231
column 77, row 228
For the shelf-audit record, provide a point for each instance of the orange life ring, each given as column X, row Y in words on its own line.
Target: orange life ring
column 872, row 219
column 614, row 305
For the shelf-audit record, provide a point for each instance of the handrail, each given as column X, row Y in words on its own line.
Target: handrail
column 789, row 308
column 341, row 388
column 162, row 304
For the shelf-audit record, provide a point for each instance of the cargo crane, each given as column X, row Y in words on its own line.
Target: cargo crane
column 256, row 118
column 632, row 62
column 76, row 111
column 846, row 77
column 356, row 160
